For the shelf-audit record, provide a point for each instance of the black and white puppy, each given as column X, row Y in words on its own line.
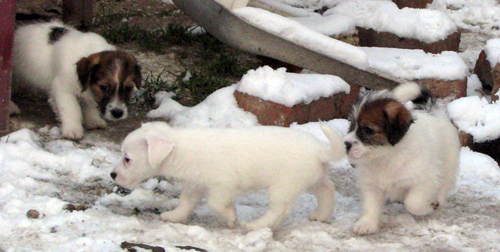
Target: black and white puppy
column 84, row 76
column 406, row 154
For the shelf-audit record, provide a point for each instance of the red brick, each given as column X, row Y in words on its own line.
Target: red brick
column 271, row 113
column 372, row 38
column 417, row 4
column 445, row 88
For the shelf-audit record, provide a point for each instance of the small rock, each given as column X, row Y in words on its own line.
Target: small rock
column 33, row 214
column 78, row 207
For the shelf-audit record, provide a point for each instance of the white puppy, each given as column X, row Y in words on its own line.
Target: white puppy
column 408, row 155
column 82, row 74
column 223, row 163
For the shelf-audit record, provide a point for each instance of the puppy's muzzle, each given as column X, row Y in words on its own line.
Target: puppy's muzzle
column 117, row 113
column 113, row 175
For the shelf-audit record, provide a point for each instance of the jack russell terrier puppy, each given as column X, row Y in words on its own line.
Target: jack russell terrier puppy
column 85, row 78
column 221, row 164
column 407, row 154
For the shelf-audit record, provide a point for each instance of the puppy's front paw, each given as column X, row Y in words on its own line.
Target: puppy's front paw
column 315, row 216
column 72, row 132
column 95, row 122
column 173, row 216
column 250, row 226
column 365, row 226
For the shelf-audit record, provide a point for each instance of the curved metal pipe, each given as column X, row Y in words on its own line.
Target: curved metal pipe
column 230, row 29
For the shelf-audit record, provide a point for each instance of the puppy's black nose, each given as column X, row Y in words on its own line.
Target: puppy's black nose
column 348, row 145
column 117, row 113
column 113, row 175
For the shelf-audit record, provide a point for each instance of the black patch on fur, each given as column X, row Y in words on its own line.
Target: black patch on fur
column 23, row 19
column 424, row 100
column 56, row 33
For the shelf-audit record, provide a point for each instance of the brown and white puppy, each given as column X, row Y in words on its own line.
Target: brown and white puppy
column 406, row 154
column 84, row 76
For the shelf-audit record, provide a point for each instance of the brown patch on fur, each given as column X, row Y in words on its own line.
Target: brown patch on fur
column 383, row 122
column 103, row 72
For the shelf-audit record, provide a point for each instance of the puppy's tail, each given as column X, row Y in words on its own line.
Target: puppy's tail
column 337, row 150
column 419, row 96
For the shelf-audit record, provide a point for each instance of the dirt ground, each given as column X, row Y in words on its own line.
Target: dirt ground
column 36, row 112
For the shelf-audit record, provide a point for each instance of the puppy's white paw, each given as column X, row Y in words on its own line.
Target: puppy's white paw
column 94, row 122
column 250, row 226
column 365, row 226
column 173, row 216
column 72, row 132
column 419, row 207
column 315, row 216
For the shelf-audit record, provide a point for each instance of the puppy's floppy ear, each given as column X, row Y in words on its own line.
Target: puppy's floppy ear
column 398, row 120
column 158, row 149
column 137, row 76
column 84, row 69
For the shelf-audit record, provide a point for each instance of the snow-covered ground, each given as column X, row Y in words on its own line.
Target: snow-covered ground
column 41, row 172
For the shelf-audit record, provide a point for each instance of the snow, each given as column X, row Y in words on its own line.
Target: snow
column 37, row 173
column 299, row 34
column 492, row 50
column 425, row 25
column 416, row 64
column 290, row 89
column 40, row 171
column 331, row 25
column 476, row 116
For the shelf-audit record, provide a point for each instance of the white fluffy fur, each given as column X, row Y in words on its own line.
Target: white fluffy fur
column 223, row 163
column 52, row 68
column 419, row 171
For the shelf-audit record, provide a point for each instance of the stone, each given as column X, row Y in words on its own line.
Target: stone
column 372, row 38
column 488, row 75
column 483, row 71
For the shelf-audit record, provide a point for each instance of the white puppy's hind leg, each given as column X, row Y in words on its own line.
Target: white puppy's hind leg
column 324, row 190
column 281, row 200
column 220, row 200
column 189, row 199
column 419, row 200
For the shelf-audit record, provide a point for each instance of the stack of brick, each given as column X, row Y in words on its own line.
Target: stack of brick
column 487, row 70
column 338, row 106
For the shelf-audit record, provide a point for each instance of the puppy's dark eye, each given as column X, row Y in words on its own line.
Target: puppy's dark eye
column 367, row 131
column 126, row 160
column 104, row 88
column 127, row 89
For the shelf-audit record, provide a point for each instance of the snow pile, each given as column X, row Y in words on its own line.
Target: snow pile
column 295, row 32
column 331, row 25
column 416, row 64
column 290, row 89
column 492, row 50
column 476, row 116
column 428, row 26
column 218, row 110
